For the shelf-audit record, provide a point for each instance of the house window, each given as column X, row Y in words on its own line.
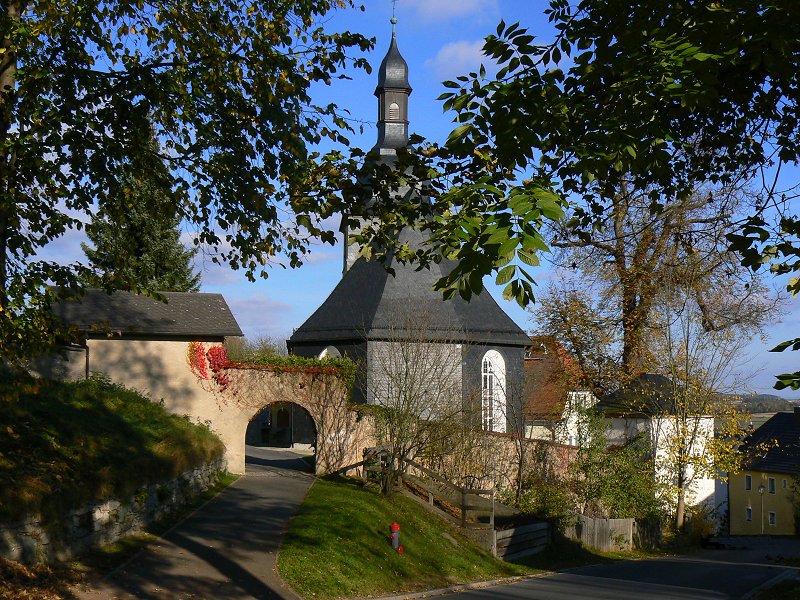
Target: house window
column 771, row 485
column 748, row 514
column 773, row 519
column 784, row 484
column 493, row 395
column 748, row 482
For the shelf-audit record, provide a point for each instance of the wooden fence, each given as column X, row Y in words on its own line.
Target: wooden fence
column 610, row 535
column 471, row 509
column 522, row 541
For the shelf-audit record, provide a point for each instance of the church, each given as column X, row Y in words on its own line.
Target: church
column 371, row 314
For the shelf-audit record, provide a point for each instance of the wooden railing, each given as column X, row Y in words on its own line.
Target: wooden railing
column 465, row 499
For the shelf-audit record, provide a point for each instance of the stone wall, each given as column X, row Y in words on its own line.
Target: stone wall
column 487, row 460
column 34, row 539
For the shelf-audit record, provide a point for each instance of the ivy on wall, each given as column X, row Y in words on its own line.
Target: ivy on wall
column 215, row 359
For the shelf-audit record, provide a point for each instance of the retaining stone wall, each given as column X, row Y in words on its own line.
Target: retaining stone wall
column 34, row 540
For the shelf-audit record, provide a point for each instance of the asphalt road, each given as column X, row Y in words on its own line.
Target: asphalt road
column 679, row 578
column 227, row 549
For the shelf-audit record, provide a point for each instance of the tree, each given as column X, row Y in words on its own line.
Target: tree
column 223, row 85
column 136, row 240
column 586, row 325
column 659, row 96
column 697, row 430
column 631, row 262
column 614, row 482
column 415, row 385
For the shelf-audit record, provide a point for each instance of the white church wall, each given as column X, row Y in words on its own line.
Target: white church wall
column 424, row 376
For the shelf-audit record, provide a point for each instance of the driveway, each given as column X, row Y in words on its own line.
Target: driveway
column 227, row 548
column 708, row 575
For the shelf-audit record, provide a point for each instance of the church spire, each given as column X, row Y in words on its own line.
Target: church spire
column 393, row 91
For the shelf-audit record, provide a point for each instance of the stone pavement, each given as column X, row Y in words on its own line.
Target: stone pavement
column 226, row 549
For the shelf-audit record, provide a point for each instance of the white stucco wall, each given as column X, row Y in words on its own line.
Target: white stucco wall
column 161, row 370
column 665, row 432
column 568, row 431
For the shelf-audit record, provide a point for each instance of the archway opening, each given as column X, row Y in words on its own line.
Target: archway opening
column 282, row 435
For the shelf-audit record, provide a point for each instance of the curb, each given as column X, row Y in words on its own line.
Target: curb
column 788, row 572
column 463, row 587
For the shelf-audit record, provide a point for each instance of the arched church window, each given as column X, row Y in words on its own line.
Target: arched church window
column 394, row 112
column 493, row 392
column 330, row 352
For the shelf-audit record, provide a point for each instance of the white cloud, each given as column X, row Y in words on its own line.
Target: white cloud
column 443, row 10
column 458, row 58
column 259, row 315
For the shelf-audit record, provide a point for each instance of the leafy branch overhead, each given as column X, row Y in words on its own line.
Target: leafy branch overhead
column 662, row 97
column 223, row 85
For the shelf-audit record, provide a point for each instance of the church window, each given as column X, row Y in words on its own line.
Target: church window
column 394, row 112
column 330, row 352
column 493, row 396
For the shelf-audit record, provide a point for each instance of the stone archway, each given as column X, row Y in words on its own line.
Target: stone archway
column 342, row 433
column 282, row 425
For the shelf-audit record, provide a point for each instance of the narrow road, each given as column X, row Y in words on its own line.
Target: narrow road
column 676, row 578
column 227, row 549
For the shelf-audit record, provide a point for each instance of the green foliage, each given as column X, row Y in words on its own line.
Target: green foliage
column 241, row 349
column 344, row 368
column 223, row 85
column 658, row 97
column 612, row 482
column 136, row 237
column 549, row 500
column 337, row 545
column 66, row 444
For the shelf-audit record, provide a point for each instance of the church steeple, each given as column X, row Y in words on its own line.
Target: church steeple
column 393, row 91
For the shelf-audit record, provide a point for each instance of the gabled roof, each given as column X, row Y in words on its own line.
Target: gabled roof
column 369, row 303
column 550, row 374
column 775, row 446
column 185, row 314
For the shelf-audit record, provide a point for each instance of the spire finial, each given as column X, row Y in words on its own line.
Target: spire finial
column 393, row 20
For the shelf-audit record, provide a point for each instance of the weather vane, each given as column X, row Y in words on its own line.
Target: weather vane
column 394, row 17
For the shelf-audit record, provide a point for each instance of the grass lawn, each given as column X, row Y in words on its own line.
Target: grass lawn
column 63, row 445
column 338, row 545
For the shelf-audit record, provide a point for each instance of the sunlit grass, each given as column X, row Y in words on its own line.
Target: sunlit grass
column 338, row 545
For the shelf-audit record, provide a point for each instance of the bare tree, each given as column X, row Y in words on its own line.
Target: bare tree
column 624, row 265
column 416, row 386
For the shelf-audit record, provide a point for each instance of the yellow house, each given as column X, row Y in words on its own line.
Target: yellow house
column 761, row 498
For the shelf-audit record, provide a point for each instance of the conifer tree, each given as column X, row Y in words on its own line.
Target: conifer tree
column 136, row 237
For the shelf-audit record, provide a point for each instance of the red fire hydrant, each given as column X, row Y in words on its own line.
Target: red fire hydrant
column 394, row 529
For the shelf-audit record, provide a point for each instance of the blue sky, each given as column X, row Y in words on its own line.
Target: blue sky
column 439, row 39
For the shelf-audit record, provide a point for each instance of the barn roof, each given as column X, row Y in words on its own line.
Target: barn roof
column 184, row 314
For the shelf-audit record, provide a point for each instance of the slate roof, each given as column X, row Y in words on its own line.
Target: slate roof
column 185, row 314
column 369, row 303
column 393, row 72
column 781, row 438
column 648, row 395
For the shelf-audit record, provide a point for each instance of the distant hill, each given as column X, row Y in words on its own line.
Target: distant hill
column 756, row 403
